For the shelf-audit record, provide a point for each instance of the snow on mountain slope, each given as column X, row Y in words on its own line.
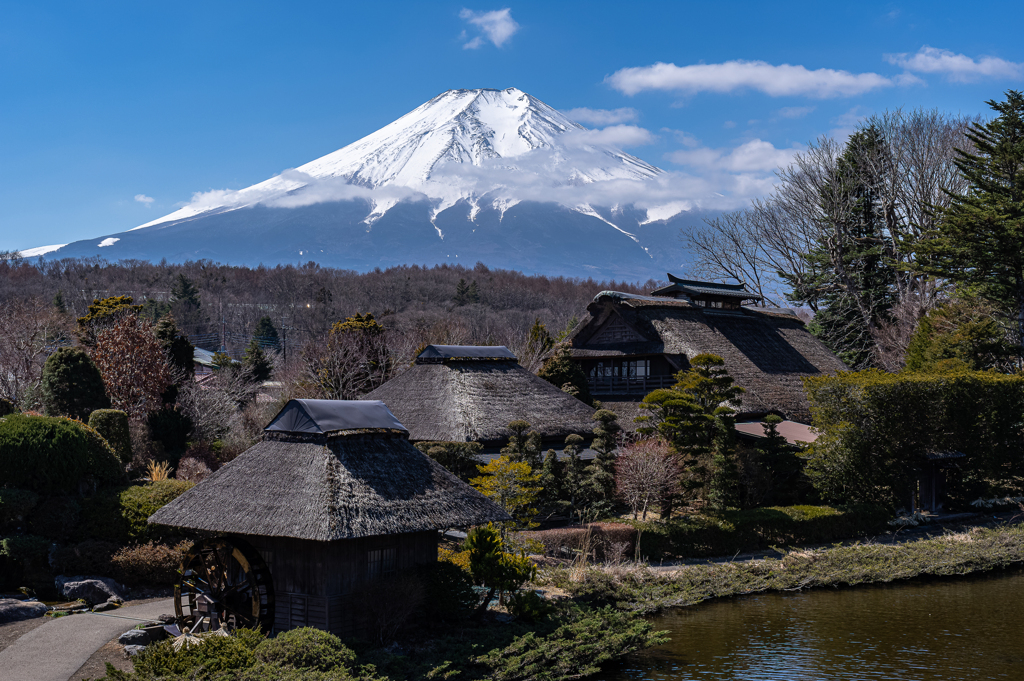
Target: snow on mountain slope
column 488, row 129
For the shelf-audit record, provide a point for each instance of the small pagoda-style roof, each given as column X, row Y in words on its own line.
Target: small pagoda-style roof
column 327, row 470
column 704, row 290
column 473, row 395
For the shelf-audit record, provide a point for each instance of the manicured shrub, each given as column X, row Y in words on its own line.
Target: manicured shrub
column 216, row 655
column 112, row 424
column 71, row 385
column 150, row 564
column 141, row 501
column 15, row 505
column 48, row 455
column 306, row 648
column 101, row 517
column 457, row 558
column 90, row 557
column 23, row 562
column 604, row 541
column 457, row 457
column 55, row 518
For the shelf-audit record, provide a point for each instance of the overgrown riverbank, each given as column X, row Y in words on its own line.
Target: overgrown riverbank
column 640, row 589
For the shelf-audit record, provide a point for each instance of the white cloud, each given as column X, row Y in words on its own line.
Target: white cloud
column 776, row 81
column 497, row 26
column 144, row 200
column 601, row 117
column 847, row 123
column 621, row 136
column 755, row 155
column 955, row 67
column 795, row 111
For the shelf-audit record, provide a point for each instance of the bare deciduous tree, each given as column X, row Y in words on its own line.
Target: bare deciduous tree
column 644, row 472
column 29, row 331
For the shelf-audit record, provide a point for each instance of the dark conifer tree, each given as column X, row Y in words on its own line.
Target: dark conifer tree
column 71, row 385
column 266, row 333
column 601, row 479
column 256, row 362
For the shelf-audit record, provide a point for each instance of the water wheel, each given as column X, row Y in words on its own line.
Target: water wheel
column 224, row 583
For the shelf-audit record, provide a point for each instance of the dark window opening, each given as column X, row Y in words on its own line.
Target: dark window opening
column 381, row 563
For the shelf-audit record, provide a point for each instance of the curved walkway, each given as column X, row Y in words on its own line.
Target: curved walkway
column 56, row 650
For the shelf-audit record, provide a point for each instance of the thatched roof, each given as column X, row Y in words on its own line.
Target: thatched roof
column 766, row 351
column 473, row 400
column 341, row 484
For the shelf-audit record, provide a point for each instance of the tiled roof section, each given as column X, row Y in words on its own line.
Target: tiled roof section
column 692, row 288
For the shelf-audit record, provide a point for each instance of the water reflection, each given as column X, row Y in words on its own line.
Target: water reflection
column 968, row 629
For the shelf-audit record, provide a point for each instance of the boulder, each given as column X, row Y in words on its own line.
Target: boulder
column 132, row 651
column 92, row 590
column 134, row 637
column 13, row 610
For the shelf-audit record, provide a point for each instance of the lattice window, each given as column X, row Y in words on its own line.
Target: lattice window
column 381, row 562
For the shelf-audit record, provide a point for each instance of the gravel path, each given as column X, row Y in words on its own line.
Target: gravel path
column 54, row 651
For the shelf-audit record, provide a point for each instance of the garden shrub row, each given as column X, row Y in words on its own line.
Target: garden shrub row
column 730, row 532
column 603, row 541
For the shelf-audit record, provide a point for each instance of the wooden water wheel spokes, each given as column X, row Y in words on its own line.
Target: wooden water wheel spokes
column 224, row 583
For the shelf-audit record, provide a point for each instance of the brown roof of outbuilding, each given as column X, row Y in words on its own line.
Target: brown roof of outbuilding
column 319, row 487
column 766, row 351
column 474, row 401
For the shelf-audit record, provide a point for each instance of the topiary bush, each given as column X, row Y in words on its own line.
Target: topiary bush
column 141, row 501
column 112, row 424
column 71, row 385
column 306, row 648
column 90, row 557
column 47, row 455
column 102, row 519
column 216, row 655
column 15, row 505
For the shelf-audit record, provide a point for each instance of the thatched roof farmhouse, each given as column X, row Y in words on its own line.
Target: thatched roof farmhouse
column 333, row 497
column 631, row 344
column 460, row 393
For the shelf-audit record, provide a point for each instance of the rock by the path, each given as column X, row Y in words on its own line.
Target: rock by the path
column 134, row 637
column 167, row 619
column 132, row 651
column 92, row 590
column 13, row 610
column 106, row 605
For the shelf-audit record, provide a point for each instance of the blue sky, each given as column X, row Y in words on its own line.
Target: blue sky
column 113, row 114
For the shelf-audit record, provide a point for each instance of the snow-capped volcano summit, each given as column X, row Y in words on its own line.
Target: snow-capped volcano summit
column 435, row 185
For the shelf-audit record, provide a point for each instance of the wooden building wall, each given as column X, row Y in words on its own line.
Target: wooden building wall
column 316, row 583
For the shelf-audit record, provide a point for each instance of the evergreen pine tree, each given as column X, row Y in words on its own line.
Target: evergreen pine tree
column 780, row 463
column 71, row 385
column 980, row 237
column 58, row 302
column 562, row 371
column 523, row 446
column 256, row 362
column 473, row 293
column 266, row 333
column 551, row 481
column 574, row 480
column 461, row 292
column 186, row 305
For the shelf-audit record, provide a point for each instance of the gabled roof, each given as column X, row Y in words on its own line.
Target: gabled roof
column 766, row 351
column 326, row 488
column 474, row 401
column 441, row 353
column 693, row 288
column 325, row 416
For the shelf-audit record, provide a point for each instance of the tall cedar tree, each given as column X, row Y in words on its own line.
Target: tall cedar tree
column 564, row 373
column 103, row 312
column 186, row 305
column 980, row 238
column 551, row 482
column 574, row 481
column 852, row 281
column 466, row 293
column 179, row 350
column 602, row 470
column 72, row 385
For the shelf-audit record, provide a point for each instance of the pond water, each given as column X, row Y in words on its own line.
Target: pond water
column 949, row 629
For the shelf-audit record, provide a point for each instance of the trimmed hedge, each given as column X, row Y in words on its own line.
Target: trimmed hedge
column 53, row 454
column 877, row 429
column 730, row 532
column 141, row 501
column 112, row 424
column 305, row 648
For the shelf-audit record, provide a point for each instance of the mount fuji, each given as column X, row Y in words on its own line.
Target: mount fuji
column 496, row 176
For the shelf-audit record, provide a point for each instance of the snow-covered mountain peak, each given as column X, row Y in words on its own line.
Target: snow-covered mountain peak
column 504, row 135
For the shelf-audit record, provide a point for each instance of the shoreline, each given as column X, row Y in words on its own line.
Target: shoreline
column 646, row 589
